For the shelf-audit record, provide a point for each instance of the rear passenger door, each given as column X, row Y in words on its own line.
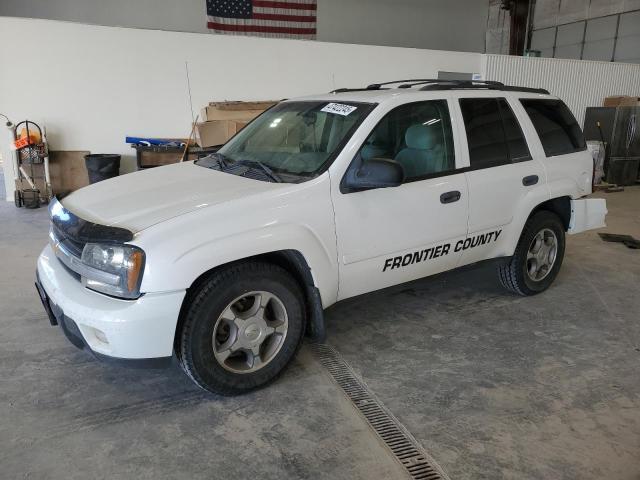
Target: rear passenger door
column 505, row 181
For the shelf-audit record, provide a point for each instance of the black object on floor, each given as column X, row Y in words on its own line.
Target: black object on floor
column 634, row 244
column 627, row 240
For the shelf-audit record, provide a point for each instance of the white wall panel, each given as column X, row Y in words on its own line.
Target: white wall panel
column 579, row 83
column 93, row 85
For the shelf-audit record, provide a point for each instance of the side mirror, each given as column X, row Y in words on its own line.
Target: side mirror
column 374, row 173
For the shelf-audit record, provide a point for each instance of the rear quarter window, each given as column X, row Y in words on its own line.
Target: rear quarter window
column 556, row 126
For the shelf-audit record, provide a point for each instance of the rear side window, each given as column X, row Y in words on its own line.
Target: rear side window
column 556, row 126
column 494, row 135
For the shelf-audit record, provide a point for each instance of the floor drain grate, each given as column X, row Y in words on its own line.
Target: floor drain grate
column 403, row 446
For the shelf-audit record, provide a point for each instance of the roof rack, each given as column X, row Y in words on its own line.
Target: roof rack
column 415, row 81
column 480, row 85
column 379, row 86
column 439, row 84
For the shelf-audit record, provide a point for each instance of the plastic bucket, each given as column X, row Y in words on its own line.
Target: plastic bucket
column 102, row 166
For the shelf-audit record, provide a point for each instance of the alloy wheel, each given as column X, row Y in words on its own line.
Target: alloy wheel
column 249, row 332
column 541, row 255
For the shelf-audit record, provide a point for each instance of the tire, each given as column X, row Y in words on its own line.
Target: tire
column 528, row 276
column 230, row 302
column 17, row 198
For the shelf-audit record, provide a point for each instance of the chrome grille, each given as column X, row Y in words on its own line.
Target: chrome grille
column 74, row 247
column 67, row 253
column 64, row 251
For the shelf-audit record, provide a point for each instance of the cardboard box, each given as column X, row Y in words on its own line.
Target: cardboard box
column 150, row 158
column 217, row 132
column 242, row 111
column 621, row 101
column 68, row 171
column 238, row 105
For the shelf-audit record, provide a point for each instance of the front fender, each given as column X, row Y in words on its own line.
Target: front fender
column 178, row 267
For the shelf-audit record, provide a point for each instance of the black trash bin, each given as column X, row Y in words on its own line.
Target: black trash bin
column 102, row 166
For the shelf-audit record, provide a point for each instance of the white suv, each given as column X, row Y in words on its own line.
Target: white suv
column 228, row 260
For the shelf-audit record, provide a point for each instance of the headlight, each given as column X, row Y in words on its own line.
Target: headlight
column 113, row 269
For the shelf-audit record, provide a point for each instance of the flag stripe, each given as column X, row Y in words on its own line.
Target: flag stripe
column 259, row 28
column 254, row 22
column 295, row 6
column 283, row 18
column 285, row 11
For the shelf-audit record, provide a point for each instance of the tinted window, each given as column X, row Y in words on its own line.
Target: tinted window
column 485, row 132
column 557, row 128
column 416, row 135
column 516, row 144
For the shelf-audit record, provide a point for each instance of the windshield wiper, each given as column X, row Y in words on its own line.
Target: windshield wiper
column 270, row 173
column 215, row 161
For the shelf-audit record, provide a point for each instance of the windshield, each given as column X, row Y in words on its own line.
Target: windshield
column 296, row 138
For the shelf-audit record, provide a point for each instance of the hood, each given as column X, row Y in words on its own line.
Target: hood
column 138, row 200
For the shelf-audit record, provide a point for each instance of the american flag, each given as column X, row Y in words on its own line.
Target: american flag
column 265, row 18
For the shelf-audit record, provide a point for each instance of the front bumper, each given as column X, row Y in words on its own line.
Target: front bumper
column 139, row 332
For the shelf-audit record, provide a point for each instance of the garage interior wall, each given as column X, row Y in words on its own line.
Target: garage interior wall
column 579, row 83
column 604, row 30
column 433, row 24
column 498, row 29
column 94, row 85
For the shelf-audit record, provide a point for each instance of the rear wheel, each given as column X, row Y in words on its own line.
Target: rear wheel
column 538, row 256
column 243, row 327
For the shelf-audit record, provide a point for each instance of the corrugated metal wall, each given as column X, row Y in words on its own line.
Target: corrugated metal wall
column 579, row 83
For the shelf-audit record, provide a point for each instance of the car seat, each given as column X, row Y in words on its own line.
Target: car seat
column 424, row 152
column 374, row 146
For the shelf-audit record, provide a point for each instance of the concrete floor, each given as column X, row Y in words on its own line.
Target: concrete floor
column 492, row 385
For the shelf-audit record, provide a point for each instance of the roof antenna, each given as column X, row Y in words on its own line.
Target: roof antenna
column 186, row 68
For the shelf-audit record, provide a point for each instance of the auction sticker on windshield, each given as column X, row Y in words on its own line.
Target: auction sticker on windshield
column 338, row 108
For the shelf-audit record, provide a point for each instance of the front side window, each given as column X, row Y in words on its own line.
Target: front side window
column 295, row 139
column 556, row 126
column 416, row 135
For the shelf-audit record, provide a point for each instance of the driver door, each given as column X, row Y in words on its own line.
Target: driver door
column 388, row 236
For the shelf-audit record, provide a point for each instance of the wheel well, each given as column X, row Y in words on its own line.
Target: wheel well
column 561, row 206
column 290, row 260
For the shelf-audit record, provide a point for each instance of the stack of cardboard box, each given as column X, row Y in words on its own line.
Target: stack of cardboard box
column 222, row 120
column 621, row 101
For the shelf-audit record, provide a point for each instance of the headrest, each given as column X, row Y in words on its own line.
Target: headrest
column 421, row 137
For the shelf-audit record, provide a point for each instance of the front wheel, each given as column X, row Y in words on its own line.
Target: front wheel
column 538, row 256
column 242, row 328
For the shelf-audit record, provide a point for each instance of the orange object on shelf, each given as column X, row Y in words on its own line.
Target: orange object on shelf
column 23, row 141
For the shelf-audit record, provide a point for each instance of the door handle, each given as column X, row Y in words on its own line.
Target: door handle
column 530, row 180
column 450, row 197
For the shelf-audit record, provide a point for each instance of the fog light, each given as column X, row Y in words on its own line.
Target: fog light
column 100, row 336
